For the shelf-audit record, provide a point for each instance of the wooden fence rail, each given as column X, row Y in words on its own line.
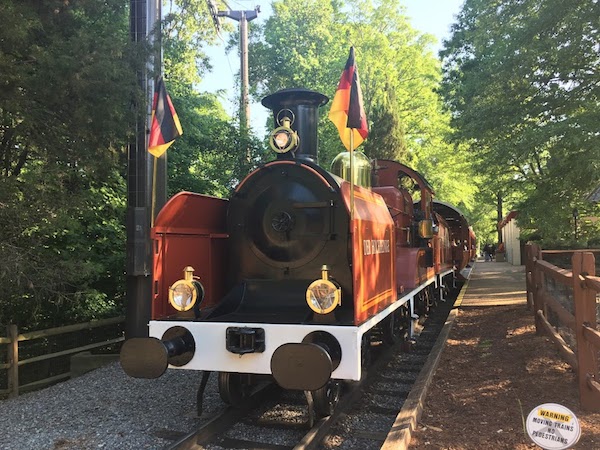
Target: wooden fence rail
column 14, row 338
column 583, row 321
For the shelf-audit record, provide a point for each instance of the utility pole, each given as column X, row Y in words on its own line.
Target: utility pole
column 144, row 16
column 243, row 17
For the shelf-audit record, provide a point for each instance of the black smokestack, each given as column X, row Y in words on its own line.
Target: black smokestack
column 305, row 106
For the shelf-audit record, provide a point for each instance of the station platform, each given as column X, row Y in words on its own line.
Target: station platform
column 492, row 283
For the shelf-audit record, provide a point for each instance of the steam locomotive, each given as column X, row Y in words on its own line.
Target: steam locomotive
column 291, row 277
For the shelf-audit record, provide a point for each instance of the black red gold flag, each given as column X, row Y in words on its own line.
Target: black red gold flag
column 164, row 126
column 347, row 112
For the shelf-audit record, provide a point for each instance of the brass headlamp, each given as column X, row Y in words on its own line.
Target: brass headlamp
column 183, row 294
column 283, row 139
column 324, row 295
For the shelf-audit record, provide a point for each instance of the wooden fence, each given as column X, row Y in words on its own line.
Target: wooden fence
column 13, row 361
column 566, row 308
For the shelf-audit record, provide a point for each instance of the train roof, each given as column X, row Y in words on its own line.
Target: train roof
column 382, row 164
column 448, row 211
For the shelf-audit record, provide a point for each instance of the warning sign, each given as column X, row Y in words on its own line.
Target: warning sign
column 553, row 427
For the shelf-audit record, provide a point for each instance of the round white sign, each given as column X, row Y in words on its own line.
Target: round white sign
column 553, row 427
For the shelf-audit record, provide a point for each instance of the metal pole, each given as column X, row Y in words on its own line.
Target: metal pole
column 161, row 179
column 352, row 169
column 243, row 17
column 139, row 258
column 244, row 107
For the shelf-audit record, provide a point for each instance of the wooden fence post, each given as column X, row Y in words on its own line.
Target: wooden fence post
column 529, row 275
column 13, row 360
column 584, row 300
column 538, row 287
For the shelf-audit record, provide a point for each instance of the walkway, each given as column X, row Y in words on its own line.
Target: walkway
column 493, row 370
column 501, row 286
column 495, row 284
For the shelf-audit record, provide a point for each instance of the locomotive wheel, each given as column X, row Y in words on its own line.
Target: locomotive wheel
column 326, row 398
column 234, row 388
column 392, row 328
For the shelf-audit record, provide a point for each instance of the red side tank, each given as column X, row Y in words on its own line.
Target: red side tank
column 189, row 231
column 373, row 238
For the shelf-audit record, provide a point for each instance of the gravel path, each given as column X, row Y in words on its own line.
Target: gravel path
column 106, row 409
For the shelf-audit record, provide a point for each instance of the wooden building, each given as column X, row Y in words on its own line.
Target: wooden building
column 510, row 236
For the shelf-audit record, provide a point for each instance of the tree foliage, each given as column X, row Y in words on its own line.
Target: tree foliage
column 211, row 156
column 521, row 79
column 67, row 87
column 65, row 90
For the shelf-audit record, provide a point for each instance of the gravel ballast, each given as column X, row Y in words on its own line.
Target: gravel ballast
column 106, row 409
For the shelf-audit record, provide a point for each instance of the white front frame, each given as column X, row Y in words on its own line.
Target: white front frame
column 211, row 354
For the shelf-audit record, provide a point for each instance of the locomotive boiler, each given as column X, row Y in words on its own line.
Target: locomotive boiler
column 290, row 277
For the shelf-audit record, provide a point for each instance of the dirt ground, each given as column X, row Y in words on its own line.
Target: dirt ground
column 493, row 372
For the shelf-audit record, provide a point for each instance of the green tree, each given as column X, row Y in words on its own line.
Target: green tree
column 388, row 139
column 522, row 82
column 210, row 157
column 65, row 98
column 68, row 86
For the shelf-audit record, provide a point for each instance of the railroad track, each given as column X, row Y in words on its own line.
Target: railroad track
column 280, row 414
column 273, row 419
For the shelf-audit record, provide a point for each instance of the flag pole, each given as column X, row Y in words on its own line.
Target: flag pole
column 154, row 176
column 352, row 168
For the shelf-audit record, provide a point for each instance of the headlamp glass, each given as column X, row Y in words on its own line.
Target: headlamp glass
column 323, row 296
column 182, row 295
column 282, row 139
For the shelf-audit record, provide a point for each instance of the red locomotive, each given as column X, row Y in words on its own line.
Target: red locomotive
column 289, row 277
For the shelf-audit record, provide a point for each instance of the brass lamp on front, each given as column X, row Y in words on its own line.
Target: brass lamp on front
column 183, row 294
column 283, row 139
column 323, row 295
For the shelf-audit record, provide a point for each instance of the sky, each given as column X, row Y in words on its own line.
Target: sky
column 429, row 16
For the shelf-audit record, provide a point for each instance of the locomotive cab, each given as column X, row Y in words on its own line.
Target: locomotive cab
column 414, row 254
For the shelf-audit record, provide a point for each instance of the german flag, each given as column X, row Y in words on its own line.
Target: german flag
column 165, row 126
column 347, row 112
